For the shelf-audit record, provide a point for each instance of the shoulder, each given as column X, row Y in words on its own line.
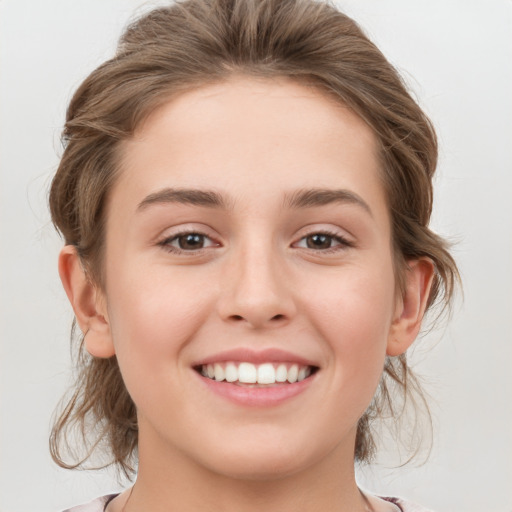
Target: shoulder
column 97, row 505
column 405, row 505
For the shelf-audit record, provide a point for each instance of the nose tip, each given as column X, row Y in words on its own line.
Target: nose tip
column 259, row 296
column 257, row 311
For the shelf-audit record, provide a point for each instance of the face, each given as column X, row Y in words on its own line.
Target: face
column 249, row 287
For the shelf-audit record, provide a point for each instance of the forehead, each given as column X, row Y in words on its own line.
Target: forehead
column 246, row 107
column 256, row 137
column 255, row 95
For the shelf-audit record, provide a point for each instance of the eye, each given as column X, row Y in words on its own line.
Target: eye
column 323, row 242
column 187, row 242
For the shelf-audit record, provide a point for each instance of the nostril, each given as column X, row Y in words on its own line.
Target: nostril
column 258, row 319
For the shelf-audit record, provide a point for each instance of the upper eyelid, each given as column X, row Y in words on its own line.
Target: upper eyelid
column 331, row 230
column 207, row 231
column 184, row 229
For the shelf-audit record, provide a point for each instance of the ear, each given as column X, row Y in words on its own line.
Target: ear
column 88, row 303
column 411, row 307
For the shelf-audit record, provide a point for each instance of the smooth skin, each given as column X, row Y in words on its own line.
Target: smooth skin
column 316, row 280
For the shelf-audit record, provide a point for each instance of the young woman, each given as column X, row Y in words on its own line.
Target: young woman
column 244, row 196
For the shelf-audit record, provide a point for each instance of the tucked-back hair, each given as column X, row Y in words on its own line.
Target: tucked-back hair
column 196, row 42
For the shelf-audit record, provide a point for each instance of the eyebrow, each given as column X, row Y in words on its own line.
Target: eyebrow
column 308, row 198
column 304, row 198
column 206, row 198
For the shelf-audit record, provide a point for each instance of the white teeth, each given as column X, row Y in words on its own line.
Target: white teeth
column 219, row 372
column 231, row 372
column 266, row 374
column 281, row 373
column 293, row 373
column 248, row 373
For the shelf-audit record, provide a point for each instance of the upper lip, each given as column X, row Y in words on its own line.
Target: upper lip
column 268, row 355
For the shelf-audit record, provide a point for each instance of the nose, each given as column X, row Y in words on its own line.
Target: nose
column 256, row 289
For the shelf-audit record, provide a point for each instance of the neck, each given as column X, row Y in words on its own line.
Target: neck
column 171, row 481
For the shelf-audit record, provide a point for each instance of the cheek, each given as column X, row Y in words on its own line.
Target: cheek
column 153, row 315
column 358, row 304
column 354, row 321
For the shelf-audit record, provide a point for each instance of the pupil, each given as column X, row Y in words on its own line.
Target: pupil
column 191, row 241
column 319, row 241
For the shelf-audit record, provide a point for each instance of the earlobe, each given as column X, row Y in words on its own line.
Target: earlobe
column 88, row 304
column 411, row 308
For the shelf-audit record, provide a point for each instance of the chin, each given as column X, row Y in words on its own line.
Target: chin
column 262, row 461
column 247, row 468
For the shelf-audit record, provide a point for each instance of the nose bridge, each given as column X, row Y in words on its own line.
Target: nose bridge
column 257, row 290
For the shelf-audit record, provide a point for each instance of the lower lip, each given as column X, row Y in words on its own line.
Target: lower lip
column 256, row 396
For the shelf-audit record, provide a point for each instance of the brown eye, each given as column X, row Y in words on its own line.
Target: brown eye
column 324, row 242
column 319, row 241
column 187, row 242
column 191, row 241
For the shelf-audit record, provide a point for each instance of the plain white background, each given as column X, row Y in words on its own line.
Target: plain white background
column 456, row 55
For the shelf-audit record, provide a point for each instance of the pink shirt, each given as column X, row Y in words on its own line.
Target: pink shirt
column 99, row 505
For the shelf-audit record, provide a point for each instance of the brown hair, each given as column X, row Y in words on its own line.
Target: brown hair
column 195, row 42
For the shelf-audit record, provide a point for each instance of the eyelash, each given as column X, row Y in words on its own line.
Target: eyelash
column 335, row 237
column 166, row 243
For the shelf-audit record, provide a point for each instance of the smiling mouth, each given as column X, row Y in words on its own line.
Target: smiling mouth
column 256, row 375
